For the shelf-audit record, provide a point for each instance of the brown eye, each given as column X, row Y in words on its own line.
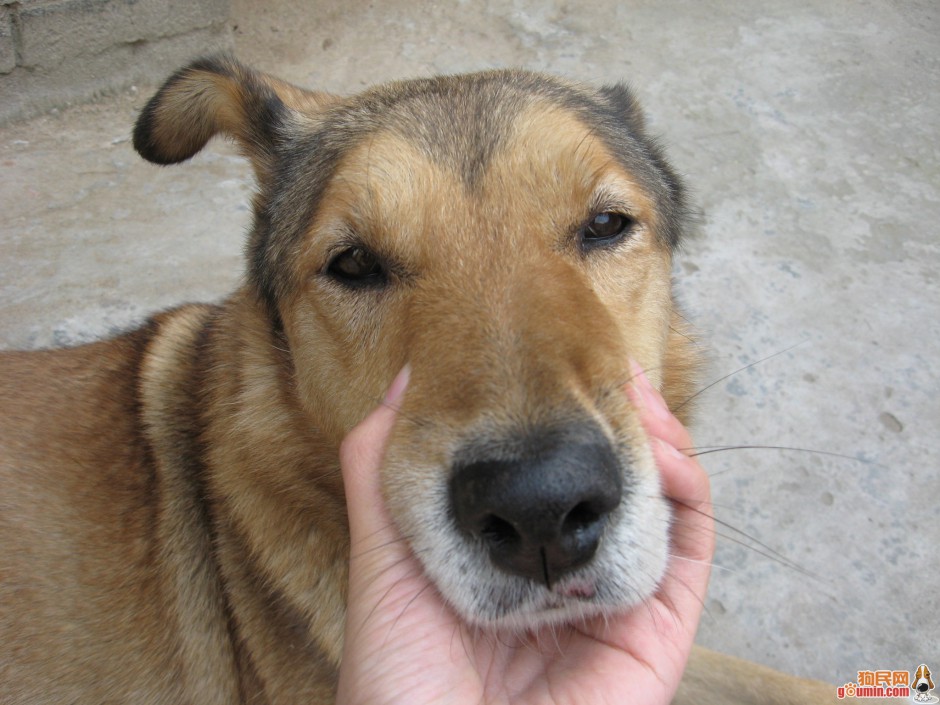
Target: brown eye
column 357, row 267
column 606, row 229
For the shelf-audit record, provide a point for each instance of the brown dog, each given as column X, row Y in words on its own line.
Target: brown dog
column 173, row 519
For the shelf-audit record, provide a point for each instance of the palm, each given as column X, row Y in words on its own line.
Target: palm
column 424, row 653
column 404, row 645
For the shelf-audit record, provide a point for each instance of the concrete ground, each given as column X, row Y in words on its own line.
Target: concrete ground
column 808, row 131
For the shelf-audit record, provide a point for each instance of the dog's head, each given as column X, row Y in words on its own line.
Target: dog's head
column 509, row 236
column 922, row 681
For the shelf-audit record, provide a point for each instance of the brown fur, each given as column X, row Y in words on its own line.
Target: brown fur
column 173, row 519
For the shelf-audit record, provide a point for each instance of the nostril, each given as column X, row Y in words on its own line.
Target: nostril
column 497, row 532
column 582, row 516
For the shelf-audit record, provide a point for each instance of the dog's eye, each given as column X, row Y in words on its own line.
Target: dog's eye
column 606, row 229
column 355, row 266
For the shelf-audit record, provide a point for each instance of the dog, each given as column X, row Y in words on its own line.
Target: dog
column 173, row 518
column 922, row 684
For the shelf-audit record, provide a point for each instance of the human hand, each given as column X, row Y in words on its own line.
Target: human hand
column 403, row 644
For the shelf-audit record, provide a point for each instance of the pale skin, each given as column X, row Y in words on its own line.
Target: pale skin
column 405, row 646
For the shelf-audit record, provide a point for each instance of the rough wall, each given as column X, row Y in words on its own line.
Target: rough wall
column 57, row 52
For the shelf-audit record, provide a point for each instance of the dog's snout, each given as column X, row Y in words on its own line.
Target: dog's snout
column 539, row 515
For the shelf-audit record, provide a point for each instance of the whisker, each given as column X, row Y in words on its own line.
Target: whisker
column 681, row 315
column 520, row 641
column 687, row 337
column 767, row 551
column 463, row 639
column 385, row 595
column 606, row 616
column 404, row 609
column 554, row 635
column 399, row 540
column 731, row 374
column 711, row 564
column 385, row 570
column 376, row 401
column 670, row 603
column 397, row 408
column 590, row 134
column 700, row 600
column 626, row 380
column 732, row 537
column 711, row 503
column 526, row 640
column 706, row 450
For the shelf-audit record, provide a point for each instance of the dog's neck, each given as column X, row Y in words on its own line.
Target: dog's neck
column 275, row 582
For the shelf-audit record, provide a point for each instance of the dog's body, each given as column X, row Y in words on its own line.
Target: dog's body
column 173, row 520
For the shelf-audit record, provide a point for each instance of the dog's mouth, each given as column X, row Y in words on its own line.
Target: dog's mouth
column 597, row 590
column 576, row 589
column 565, row 596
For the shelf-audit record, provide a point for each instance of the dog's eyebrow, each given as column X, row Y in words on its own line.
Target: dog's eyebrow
column 607, row 195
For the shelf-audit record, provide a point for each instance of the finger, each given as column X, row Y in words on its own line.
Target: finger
column 683, row 479
column 361, row 455
column 687, row 484
column 655, row 415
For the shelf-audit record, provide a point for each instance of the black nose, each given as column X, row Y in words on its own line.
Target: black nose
column 540, row 514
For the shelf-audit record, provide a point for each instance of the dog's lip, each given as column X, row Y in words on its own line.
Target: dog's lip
column 559, row 599
column 576, row 588
column 568, row 601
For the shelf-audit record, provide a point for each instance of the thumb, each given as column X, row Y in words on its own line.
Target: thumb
column 361, row 455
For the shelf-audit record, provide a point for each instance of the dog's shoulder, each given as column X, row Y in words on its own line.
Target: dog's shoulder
column 83, row 386
column 73, row 419
column 79, row 515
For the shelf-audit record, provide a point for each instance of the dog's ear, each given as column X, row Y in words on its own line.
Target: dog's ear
column 625, row 106
column 218, row 95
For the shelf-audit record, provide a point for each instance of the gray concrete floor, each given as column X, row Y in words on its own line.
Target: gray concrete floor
column 809, row 133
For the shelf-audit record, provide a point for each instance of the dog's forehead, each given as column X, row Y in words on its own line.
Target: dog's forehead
column 546, row 164
column 461, row 123
column 457, row 122
column 464, row 122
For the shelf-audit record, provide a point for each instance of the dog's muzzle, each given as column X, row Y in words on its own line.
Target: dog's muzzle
column 540, row 513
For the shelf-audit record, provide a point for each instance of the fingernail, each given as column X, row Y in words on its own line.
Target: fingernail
column 670, row 449
column 639, row 378
column 652, row 399
column 397, row 388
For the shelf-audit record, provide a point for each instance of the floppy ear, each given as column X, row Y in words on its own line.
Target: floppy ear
column 220, row 95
